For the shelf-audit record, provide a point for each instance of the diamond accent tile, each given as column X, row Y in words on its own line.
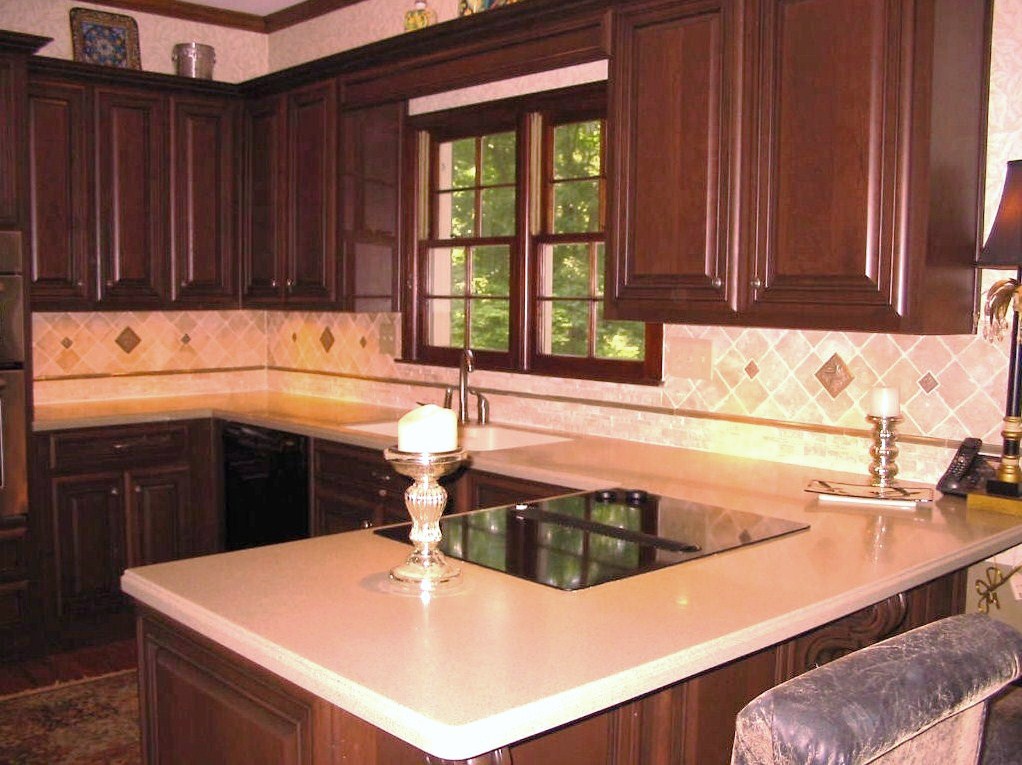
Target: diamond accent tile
column 928, row 383
column 327, row 340
column 186, row 338
column 363, row 342
column 128, row 340
column 751, row 369
column 67, row 342
column 834, row 375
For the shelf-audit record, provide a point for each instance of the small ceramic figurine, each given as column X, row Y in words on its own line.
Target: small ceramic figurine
column 419, row 17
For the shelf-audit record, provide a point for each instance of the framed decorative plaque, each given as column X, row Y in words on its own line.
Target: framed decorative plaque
column 108, row 39
column 468, row 7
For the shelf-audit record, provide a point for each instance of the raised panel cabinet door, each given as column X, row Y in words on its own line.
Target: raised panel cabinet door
column 263, row 239
column 371, row 142
column 200, row 705
column 827, row 171
column 156, row 517
column 60, row 173
column 312, row 194
column 671, row 129
column 203, row 201
column 131, row 148
column 12, row 87
column 88, row 554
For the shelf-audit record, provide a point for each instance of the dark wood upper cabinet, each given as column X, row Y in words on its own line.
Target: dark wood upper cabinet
column 312, row 193
column 671, row 132
column 290, row 236
column 12, row 91
column 370, row 167
column 131, row 183
column 265, row 179
column 842, row 141
column 204, row 200
column 61, row 271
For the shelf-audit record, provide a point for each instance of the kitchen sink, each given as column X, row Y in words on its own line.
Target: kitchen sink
column 475, row 438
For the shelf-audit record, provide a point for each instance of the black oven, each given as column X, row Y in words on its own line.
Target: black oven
column 13, row 415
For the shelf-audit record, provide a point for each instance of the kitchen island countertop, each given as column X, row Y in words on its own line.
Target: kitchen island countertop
column 499, row 659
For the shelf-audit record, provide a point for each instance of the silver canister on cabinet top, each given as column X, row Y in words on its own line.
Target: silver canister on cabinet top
column 194, row 60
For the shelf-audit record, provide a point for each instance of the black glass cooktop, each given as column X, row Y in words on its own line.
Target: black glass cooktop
column 581, row 540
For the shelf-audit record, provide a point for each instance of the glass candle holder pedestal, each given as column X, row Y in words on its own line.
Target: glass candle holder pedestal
column 426, row 567
column 884, row 451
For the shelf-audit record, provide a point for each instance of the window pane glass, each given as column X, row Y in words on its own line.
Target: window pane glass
column 447, row 271
column 498, row 158
column 624, row 340
column 498, row 211
column 577, row 149
column 446, row 320
column 463, row 163
column 491, row 270
column 563, row 327
column 456, row 214
column 565, row 271
column 576, row 206
column 490, row 325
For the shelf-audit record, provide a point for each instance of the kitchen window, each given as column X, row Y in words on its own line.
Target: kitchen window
column 510, row 245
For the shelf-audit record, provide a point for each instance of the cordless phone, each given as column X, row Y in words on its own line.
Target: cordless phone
column 968, row 469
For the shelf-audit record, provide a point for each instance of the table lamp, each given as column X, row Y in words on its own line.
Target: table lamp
column 1003, row 248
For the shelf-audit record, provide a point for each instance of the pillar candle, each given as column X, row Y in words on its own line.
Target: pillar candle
column 884, row 403
column 430, row 428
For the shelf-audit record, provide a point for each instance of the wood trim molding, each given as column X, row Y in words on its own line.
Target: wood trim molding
column 304, row 11
column 178, row 9
column 273, row 22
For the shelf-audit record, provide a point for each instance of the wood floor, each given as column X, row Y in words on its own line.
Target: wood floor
column 62, row 667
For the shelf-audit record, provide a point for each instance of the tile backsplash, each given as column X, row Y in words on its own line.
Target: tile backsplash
column 780, row 394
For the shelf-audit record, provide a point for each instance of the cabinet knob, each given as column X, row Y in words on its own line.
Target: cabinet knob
column 366, row 524
column 757, row 283
column 138, row 489
column 717, row 283
column 114, row 492
column 273, row 283
column 381, row 492
column 290, row 284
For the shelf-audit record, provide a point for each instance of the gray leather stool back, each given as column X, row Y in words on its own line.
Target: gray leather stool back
column 918, row 697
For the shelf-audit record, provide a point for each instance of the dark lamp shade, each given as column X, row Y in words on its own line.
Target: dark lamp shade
column 1004, row 245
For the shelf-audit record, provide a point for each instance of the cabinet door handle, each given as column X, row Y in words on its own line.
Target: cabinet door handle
column 717, row 283
column 757, row 283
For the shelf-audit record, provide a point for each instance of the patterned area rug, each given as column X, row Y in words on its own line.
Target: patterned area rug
column 87, row 721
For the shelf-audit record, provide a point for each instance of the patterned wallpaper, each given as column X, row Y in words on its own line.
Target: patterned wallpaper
column 240, row 55
column 735, row 390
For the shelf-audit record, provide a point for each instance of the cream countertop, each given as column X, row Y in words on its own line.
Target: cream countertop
column 502, row 659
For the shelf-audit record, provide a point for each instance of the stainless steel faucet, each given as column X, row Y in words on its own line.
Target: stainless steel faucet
column 467, row 365
column 483, row 406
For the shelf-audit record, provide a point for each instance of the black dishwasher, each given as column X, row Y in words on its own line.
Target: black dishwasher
column 266, row 486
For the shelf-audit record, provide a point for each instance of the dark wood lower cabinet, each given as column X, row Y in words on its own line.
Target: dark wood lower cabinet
column 105, row 499
column 204, row 704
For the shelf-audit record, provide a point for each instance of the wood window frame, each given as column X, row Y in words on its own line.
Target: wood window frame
column 532, row 116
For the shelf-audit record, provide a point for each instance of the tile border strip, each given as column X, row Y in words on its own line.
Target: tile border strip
column 830, row 430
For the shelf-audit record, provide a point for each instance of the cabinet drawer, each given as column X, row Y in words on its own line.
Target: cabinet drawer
column 92, row 448
column 13, row 553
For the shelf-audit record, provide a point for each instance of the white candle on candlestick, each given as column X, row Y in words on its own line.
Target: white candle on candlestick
column 429, row 428
column 884, row 402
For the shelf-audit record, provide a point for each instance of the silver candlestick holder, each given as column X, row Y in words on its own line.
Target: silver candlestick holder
column 884, row 451
column 425, row 500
